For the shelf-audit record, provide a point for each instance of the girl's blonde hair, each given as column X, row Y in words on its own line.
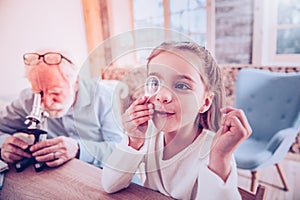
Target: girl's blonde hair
column 209, row 72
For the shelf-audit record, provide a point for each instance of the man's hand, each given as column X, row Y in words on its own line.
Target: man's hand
column 13, row 149
column 56, row 151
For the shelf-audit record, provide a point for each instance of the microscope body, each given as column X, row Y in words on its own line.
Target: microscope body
column 35, row 121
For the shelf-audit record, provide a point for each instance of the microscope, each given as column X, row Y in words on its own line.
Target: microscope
column 35, row 122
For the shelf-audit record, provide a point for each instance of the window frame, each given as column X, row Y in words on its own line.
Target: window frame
column 210, row 21
column 265, row 36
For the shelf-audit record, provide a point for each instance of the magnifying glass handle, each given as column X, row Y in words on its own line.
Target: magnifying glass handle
column 148, row 99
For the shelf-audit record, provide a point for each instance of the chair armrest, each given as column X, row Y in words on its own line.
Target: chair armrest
column 297, row 123
column 282, row 141
column 248, row 195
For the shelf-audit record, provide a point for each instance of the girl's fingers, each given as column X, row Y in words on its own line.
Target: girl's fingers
column 230, row 112
column 138, row 111
column 135, row 117
column 233, row 124
column 140, row 114
column 141, row 120
column 141, row 100
column 132, row 125
column 134, row 108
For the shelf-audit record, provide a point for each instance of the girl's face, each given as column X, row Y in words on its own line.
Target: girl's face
column 182, row 95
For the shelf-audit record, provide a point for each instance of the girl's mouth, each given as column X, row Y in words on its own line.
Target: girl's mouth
column 164, row 114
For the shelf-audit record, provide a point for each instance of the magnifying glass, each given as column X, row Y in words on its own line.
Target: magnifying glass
column 151, row 87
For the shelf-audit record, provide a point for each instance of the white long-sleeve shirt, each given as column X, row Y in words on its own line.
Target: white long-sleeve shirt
column 184, row 176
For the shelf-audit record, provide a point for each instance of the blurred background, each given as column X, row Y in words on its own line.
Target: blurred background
column 108, row 37
column 237, row 32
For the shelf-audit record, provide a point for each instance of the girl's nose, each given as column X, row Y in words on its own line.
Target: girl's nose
column 164, row 95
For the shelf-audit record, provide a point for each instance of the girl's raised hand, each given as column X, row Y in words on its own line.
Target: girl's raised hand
column 234, row 129
column 135, row 121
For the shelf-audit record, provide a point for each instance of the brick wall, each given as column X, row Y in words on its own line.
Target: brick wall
column 230, row 75
column 234, row 27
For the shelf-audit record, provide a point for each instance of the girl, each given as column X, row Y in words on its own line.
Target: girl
column 187, row 152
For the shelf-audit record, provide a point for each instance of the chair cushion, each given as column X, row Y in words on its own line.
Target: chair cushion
column 251, row 154
column 270, row 101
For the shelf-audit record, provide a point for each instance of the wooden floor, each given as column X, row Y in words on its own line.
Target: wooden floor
column 269, row 177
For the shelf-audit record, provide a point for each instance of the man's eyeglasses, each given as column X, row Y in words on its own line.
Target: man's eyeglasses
column 50, row 58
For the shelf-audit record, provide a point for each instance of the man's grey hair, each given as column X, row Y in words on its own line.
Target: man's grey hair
column 70, row 71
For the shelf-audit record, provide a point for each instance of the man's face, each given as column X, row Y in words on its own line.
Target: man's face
column 58, row 94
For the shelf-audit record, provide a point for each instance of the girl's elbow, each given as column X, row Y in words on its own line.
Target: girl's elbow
column 110, row 186
column 109, row 190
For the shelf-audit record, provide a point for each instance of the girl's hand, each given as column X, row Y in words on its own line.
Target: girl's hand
column 234, row 129
column 135, row 121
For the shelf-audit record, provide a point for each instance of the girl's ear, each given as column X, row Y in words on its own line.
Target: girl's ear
column 207, row 103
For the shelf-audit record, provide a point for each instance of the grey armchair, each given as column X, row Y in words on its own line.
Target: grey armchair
column 271, row 102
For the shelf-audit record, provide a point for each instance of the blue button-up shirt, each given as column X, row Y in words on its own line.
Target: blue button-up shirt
column 90, row 120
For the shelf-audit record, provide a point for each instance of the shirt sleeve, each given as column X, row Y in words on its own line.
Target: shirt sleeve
column 96, row 152
column 13, row 115
column 110, row 126
column 211, row 186
column 121, row 166
column 96, row 124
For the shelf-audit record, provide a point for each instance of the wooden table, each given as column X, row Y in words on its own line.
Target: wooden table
column 73, row 180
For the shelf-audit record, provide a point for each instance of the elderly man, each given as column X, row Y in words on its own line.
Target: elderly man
column 80, row 123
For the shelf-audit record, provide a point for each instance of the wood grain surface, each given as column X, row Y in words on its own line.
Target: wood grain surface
column 73, row 180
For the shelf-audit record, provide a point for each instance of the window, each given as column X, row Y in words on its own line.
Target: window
column 119, row 20
column 277, row 37
column 148, row 13
column 189, row 18
column 193, row 18
column 288, row 27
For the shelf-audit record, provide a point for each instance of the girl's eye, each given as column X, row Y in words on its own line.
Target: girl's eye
column 183, row 86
